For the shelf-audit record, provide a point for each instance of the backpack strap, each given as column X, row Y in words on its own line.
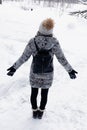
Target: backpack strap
column 36, row 45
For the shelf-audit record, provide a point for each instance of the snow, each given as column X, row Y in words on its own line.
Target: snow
column 67, row 101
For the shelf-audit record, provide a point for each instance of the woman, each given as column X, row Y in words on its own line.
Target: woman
column 43, row 44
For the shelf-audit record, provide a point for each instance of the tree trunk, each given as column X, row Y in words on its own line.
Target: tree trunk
column 0, row 1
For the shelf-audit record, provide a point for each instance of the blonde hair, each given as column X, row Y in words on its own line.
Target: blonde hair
column 48, row 23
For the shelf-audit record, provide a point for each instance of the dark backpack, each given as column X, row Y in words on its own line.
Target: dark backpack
column 42, row 61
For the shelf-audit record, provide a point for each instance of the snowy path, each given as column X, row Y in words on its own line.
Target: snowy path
column 67, row 102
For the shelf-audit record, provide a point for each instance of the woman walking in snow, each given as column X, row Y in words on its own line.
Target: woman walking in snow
column 42, row 47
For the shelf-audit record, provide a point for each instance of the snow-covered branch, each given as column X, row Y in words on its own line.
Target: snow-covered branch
column 80, row 13
column 83, row 2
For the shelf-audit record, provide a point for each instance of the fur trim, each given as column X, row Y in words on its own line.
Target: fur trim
column 34, row 109
column 41, row 110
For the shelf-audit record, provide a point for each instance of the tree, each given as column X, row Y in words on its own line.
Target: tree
column 52, row 2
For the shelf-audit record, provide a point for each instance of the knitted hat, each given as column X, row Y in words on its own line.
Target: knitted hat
column 46, row 26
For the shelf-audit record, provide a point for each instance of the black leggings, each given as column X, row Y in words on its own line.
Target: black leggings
column 33, row 98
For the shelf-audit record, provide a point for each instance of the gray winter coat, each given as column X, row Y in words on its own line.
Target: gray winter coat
column 42, row 80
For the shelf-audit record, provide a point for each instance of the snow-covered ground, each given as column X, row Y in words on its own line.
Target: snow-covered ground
column 67, row 102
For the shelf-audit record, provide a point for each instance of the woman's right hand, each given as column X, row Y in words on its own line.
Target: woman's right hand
column 72, row 74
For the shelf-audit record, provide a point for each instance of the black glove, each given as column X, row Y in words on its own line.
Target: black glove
column 11, row 71
column 72, row 74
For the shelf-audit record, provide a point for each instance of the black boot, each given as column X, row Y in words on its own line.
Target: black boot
column 40, row 113
column 35, row 113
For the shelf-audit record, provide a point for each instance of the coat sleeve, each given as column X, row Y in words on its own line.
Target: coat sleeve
column 24, row 57
column 61, row 58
